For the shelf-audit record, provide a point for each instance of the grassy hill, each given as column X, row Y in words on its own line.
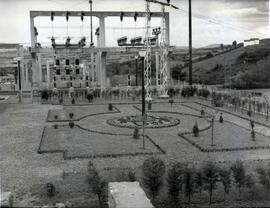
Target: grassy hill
column 244, row 68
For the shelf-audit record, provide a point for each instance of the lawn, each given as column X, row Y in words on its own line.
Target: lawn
column 78, row 143
column 229, row 137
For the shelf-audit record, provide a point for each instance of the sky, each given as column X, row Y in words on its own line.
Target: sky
column 214, row 21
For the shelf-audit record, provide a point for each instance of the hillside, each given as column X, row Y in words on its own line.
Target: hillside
column 246, row 68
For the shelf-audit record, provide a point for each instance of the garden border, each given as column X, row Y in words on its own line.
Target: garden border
column 78, row 119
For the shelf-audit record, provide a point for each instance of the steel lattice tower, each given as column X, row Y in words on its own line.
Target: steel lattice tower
column 147, row 60
column 164, row 58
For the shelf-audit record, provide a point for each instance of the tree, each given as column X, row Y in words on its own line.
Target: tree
column 220, row 118
column 153, row 171
column 189, row 183
column 239, row 175
column 222, row 46
column 177, row 73
column 199, row 181
column 234, row 44
column 264, row 177
column 210, row 178
column 209, row 55
column 97, row 184
column 225, row 179
column 175, row 181
column 195, row 129
column 136, row 134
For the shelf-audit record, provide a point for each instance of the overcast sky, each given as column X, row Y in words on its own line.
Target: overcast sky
column 214, row 21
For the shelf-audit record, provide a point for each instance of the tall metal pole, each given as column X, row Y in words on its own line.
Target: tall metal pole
column 20, row 81
column 212, row 132
column 147, row 59
column 190, row 42
column 143, row 102
column 91, row 23
column 136, row 69
column 143, row 89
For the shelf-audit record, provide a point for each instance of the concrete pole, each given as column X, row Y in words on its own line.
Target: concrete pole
column 20, row 81
column 102, row 34
column 32, row 32
column 39, row 70
column 48, row 73
column 167, row 25
column 92, row 67
column 157, row 67
column 102, row 56
column 26, row 75
column 190, row 43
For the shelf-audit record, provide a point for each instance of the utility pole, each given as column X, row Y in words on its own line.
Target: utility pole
column 143, row 88
column 136, row 70
column 212, row 131
column 20, row 81
column 190, row 42
column 91, row 22
column 143, row 54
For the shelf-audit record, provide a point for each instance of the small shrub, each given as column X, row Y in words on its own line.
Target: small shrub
column 217, row 100
column 171, row 101
column 55, row 117
column 73, row 101
column 45, row 95
column 149, row 106
column 253, row 135
column 195, row 130
column 55, row 126
column 50, row 189
column 252, row 124
column 221, row 118
column 71, row 124
column 204, row 93
column 121, row 175
column 202, row 112
column 71, row 115
column 171, row 91
column 90, row 97
column 136, row 133
column 132, row 176
column 110, row 107
column 189, row 91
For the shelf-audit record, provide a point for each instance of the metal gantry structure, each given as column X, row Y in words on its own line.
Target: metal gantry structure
column 45, row 57
column 164, row 59
column 163, row 64
column 147, row 59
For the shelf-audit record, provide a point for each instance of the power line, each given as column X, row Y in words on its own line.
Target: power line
column 222, row 23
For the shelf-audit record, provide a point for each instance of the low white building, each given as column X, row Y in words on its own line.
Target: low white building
column 251, row 41
column 127, row 195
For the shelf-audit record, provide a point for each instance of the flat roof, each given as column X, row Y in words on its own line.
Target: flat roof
column 128, row 194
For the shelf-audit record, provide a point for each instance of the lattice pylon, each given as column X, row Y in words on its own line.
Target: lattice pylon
column 147, row 59
column 164, row 58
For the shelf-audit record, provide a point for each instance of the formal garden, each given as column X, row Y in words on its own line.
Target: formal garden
column 191, row 138
column 195, row 149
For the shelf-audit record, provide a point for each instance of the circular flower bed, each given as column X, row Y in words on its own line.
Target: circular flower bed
column 137, row 121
